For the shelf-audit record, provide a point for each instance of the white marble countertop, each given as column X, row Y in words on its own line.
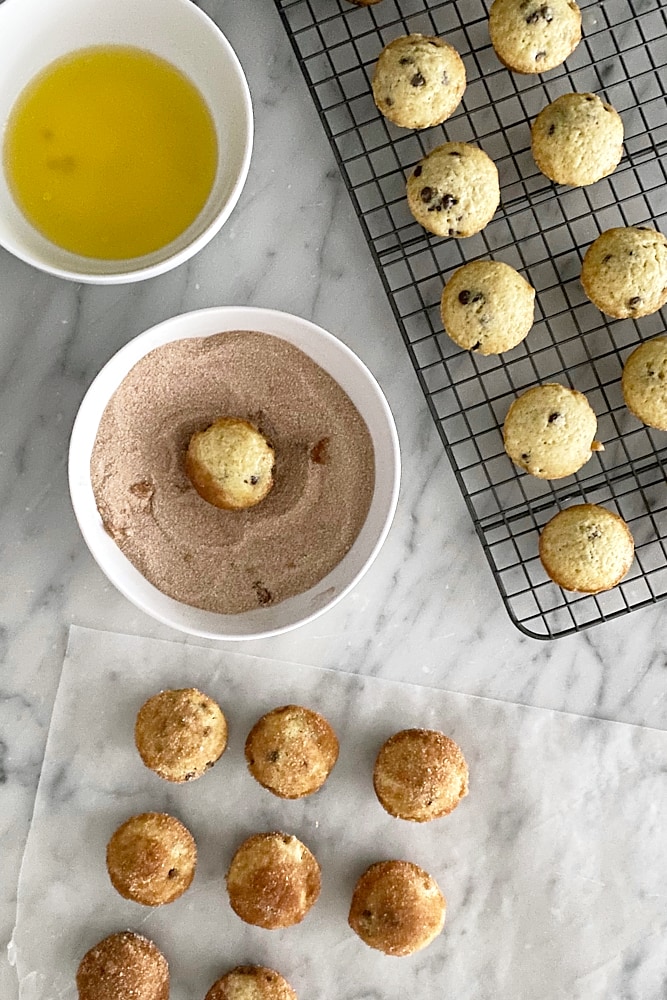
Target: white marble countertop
column 428, row 610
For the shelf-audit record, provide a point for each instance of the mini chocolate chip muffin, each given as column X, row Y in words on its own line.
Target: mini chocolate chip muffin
column 454, row 190
column 397, row 908
column 418, row 81
column 586, row 548
column 251, row 982
column 487, row 307
column 273, row 880
column 644, row 383
column 420, row 774
column 291, row 751
column 624, row 272
column 577, row 139
column 151, row 859
column 533, row 36
column 230, row 464
column 180, row 734
column 123, row 966
column 549, row 431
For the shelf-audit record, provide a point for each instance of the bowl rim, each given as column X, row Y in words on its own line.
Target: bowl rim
column 149, row 270
column 189, row 325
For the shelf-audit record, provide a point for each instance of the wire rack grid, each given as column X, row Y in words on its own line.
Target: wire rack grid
column 541, row 229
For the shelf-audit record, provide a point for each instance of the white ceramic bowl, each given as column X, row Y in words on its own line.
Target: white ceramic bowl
column 33, row 33
column 362, row 388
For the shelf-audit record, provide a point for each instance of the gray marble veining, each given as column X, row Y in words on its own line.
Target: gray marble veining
column 428, row 611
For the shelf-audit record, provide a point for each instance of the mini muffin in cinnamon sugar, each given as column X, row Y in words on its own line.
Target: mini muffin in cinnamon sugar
column 291, row 751
column 251, row 982
column 151, row 859
column 180, row 734
column 230, row 464
column 123, row 966
column 397, row 908
column 420, row 774
column 273, row 880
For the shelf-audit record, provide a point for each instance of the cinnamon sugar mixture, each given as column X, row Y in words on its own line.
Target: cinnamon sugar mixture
column 232, row 561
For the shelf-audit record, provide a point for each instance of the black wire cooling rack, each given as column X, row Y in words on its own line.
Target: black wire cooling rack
column 541, row 229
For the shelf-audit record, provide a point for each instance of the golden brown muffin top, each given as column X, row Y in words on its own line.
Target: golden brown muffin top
column 397, row 908
column 230, row 464
column 273, row 880
column 420, row 774
column 251, row 982
column 180, row 733
column 151, row 859
column 123, row 965
column 291, row 751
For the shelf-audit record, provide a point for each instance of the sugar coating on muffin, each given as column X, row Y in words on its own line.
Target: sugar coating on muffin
column 418, row 81
column 586, row 548
column 230, row 464
column 123, row 966
column 251, row 982
column 291, row 751
column 577, row 139
column 454, row 190
column 644, row 383
column 487, row 307
column 549, row 431
column 533, row 36
column 420, row 774
column 273, row 880
column 151, row 859
column 397, row 908
column 180, row 733
column 624, row 271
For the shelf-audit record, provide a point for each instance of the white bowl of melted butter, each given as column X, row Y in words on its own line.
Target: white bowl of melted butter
column 126, row 135
column 304, row 546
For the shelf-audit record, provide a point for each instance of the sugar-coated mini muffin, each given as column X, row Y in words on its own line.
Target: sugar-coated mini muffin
column 123, row 966
column 533, row 36
column 624, row 272
column 230, row 464
column 586, row 548
column 420, row 774
column 151, row 859
column 487, row 307
column 291, row 751
column 273, row 880
column 418, row 81
column 577, row 139
column 644, row 383
column 180, row 733
column 251, row 982
column 550, row 431
column 454, row 190
column 397, row 908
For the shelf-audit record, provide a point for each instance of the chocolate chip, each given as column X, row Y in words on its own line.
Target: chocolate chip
column 172, row 873
column 448, row 201
column 452, row 232
column 525, row 456
column 426, row 194
column 418, row 170
column 254, row 480
column 590, row 98
column 263, row 595
column 273, row 756
column 367, row 914
column 593, row 534
column 634, row 301
column 553, row 417
column 476, row 347
column 607, row 257
column 464, row 297
column 404, row 61
column 454, row 153
column 543, row 13
column 477, row 297
column 417, row 80
column 540, row 55
column 445, row 79
column 552, row 129
column 389, row 101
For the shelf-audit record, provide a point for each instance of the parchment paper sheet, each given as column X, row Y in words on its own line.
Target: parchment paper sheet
column 554, row 867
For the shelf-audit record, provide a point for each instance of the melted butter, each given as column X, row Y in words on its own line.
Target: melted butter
column 110, row 152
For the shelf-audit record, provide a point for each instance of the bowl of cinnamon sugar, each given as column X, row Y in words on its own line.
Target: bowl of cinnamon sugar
column 298, row 494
